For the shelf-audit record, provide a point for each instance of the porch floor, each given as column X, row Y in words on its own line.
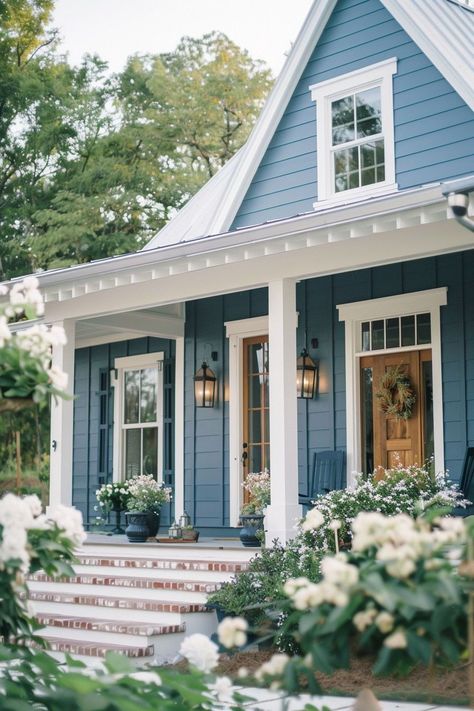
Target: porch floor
column 204, row 542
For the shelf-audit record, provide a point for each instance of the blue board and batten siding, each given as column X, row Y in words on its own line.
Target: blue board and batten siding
column 434, row 128
column 93, row 414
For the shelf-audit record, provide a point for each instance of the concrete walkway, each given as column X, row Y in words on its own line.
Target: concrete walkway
column 273, row 701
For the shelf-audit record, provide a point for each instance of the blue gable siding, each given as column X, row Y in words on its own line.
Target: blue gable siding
column 88, row 473
column 434, row 128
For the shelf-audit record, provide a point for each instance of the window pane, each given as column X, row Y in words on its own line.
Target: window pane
column 367, row 421
column 408, row 331
column 368, row 112
column 378, row 332
column 393, row 332
column 366, row 336
column 132, row 452
column 423, row 328
column 343, row 120
column 131, row 396
column 346, row 168
column 150, row 451
column 372, row 157
column 255, row 458
column 148, row 395
column 427, row 375
column 255, row 426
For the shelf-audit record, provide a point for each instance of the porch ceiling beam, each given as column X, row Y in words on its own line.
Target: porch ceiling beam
column 372, row 250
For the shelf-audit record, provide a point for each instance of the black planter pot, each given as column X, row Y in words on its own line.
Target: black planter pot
column 118, row 530
column 153, row 521
column 251, row 524
column 137, row 530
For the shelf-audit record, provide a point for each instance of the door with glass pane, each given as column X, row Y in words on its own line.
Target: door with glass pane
column 386, row 440
column 256, row 422
column 141, row 422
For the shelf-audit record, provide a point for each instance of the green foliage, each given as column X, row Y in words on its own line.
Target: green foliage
column 113, row 496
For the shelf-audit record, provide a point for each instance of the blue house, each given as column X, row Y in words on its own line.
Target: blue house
column 328, row 233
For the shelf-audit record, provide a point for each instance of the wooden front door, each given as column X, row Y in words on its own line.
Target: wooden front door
column 386, row 440
column 256, row 422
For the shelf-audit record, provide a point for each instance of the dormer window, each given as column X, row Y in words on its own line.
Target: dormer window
column 355, row 134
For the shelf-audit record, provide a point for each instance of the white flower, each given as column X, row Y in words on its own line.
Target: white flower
column 69, row 520
column 15, row 513
column 364, row 619
column 274, row 667
column 34, row 503
column 339, row 572
column 314, row 520
column 385, row 622
column 58, row 378
column 148, row 677
column 397, row 640
column 5, row 333
column 232, row 632
column 200, row 652
column 401, row 568
column 29, row 282
column 292, row 585
column 222, row 689
column 335, row 525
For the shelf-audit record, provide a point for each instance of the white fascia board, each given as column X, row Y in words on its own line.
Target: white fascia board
column 398, row 305
column 273, row 111
column 415, row 19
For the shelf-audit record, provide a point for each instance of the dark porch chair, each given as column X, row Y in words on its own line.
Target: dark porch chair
column 467, row 484
column 328, row 474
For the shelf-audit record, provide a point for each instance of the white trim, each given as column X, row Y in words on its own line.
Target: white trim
column 236, row 332
column 353, row 315
column 380, row 74
column 89, row 341
column 179, row 428
column 121, row 365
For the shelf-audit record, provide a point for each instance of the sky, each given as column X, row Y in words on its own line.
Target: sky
column 115, row 29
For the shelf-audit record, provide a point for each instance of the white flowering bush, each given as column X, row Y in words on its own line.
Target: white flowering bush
column 26, row 371
column 408, row 490
column 114, row 496
column 146, row 494
column 30, row 541
column 257, row 486
column 397, row 594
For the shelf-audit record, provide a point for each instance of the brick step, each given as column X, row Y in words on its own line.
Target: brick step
column 140, row 629
column 95, row 649
column 151, row 605
column 162, row 563
column 124, row 581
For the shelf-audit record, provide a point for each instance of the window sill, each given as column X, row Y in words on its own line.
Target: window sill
column 351, row 197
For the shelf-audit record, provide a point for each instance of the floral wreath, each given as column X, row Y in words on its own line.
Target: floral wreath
column 396, row 394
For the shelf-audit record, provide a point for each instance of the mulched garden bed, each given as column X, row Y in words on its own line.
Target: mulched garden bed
column 444, row 686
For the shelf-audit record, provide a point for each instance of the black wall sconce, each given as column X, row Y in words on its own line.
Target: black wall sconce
column 307, row 371
column 205, row 383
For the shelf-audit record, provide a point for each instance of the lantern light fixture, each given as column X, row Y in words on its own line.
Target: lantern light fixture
column 205, row 386
column 306, row 376
column 175, row 531
column 184, row 520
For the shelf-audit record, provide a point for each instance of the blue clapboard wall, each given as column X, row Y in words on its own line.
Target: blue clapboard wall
column 322, row 421
column 94, row 417
column 434, row 128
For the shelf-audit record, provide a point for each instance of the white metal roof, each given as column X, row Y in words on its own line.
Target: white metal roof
column 443, row 29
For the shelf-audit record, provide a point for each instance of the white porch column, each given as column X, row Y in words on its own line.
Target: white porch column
column 284, row 509
column 179, row 429
column 60, row 483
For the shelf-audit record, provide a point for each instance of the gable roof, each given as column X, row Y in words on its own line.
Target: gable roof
column 212, row 210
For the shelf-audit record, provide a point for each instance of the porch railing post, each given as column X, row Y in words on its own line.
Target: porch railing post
column 284, row 509
column 60, row 483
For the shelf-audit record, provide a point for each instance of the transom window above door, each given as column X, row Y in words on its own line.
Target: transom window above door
column 138, row 422
column 355, row 134
column 397, row 332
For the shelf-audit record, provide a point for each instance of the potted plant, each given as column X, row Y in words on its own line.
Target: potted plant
column 114, row 497
column 146, row 499
column 189, row 533
column 257, row 485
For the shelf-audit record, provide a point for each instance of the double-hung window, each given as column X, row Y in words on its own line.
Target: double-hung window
column 138, row 420
column 355, row 134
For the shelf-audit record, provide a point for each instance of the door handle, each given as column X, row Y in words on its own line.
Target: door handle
column 245, row 454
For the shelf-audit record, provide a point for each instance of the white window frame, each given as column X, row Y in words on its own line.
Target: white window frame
column 121, row 365
column 237, row 332
column 324, row 93
column 354, row 314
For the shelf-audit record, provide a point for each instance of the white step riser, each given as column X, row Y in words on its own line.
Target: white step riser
column 168, row 552
column 121, row 592
column 115, row 613
column 202, row 576
column 100, row 637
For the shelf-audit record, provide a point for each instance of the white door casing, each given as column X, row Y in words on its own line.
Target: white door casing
column 353, row 314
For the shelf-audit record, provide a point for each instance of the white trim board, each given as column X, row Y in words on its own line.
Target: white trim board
column 236, row 332
column 402, row 304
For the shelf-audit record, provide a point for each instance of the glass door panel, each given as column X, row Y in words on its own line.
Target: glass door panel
column 256, row 424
